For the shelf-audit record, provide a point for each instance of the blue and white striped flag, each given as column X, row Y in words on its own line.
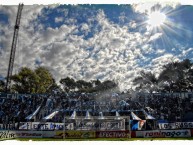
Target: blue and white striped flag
column 33, row 114
column 134, row 117
column 50, row 116
column 73, row 116
column 147, row 116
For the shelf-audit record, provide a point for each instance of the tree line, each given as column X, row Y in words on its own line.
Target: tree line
column 40, row 81
column 174, row 77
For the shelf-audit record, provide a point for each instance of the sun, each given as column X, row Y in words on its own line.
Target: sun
column 156, row 19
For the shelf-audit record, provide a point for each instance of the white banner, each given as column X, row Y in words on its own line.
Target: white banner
column 78, row 125
column 41, row 126
column 176, row 125
column 7, row 134
column 167, row 133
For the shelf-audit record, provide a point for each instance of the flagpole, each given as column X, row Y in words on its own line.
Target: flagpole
column 64, row 126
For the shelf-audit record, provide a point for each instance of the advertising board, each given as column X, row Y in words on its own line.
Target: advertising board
column 112, row 134
column 7, row 134
column 176, row 125
column 41, row 126
column 167, row 133
column 75, row 134
column 77, row 125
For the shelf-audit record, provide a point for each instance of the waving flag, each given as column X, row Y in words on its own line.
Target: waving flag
column 134, row 117
column 50, row 116
column 73, row 116
column 147, row 116
column 88, row 116
column 33, row 114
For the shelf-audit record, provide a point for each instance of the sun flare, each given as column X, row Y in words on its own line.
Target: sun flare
column 156, row 19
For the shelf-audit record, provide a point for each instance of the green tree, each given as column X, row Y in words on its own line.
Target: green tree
column 45, row 80
column 68, row 83
column 177, row 76
column 29, row 81
column 25, row 81
column 147, row 82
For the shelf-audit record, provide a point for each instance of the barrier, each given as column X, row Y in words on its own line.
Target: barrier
column 41, row 126
column 176, row 125
column 112, row 134
column 75, row 134
column 6, row 134
column 164, row 133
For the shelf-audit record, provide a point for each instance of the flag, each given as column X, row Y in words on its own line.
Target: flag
column 33, row 114
column 50, row 116
column 88, row 116
column 101, row 115
column 134, row 117
column 117, row 115
column 73, row 116
column 141, row 124
column 147, row 116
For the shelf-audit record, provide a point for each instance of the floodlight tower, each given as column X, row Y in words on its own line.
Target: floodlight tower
column 13, row 48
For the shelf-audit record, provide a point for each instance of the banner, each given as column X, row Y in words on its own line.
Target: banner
column 41, row 126
column 112, row 134
column 167, row 133
column 33, row 114
column 7, row 134
column 75, row 134
column 176, row 125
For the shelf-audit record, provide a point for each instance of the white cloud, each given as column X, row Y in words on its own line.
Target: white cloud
column 155, row 36
column 59, row 19
column 111, row 53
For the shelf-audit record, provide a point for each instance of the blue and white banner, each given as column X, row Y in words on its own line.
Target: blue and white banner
column 134, row 117
column 148, row 116
column 50, row 116
column 176, row 125
column 33, row 114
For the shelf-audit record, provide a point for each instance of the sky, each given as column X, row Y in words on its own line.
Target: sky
column 97, row 41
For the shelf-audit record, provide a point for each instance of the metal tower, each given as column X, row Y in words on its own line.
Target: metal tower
column 13, row 47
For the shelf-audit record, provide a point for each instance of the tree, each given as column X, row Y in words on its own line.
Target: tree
column 29, row 81
column 177, row 76
column 68, row 83
column 24, row 81
column 45, row 79
column 147, row 82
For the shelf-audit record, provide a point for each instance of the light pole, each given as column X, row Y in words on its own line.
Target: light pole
column 64, row 128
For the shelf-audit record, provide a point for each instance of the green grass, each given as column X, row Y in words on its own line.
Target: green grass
column 102, row 139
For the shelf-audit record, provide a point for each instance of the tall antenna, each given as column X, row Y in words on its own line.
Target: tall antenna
column 13, row 48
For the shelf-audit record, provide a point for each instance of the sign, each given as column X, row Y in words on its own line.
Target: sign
column 112, row 134
column 176, row 125
column 77, row 125
column 29, row 134
column 75, row 134
column 6, row 134
column 167, row 133
column 41, row 126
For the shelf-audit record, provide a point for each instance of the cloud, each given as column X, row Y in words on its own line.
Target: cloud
column 155, row 36
column 146, row 8
column 59, row 19
column 113, row 51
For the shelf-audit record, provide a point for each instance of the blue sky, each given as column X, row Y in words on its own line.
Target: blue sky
column 97, row 41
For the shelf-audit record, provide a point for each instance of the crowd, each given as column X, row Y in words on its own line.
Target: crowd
column 171, row 107
column 16, row 107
